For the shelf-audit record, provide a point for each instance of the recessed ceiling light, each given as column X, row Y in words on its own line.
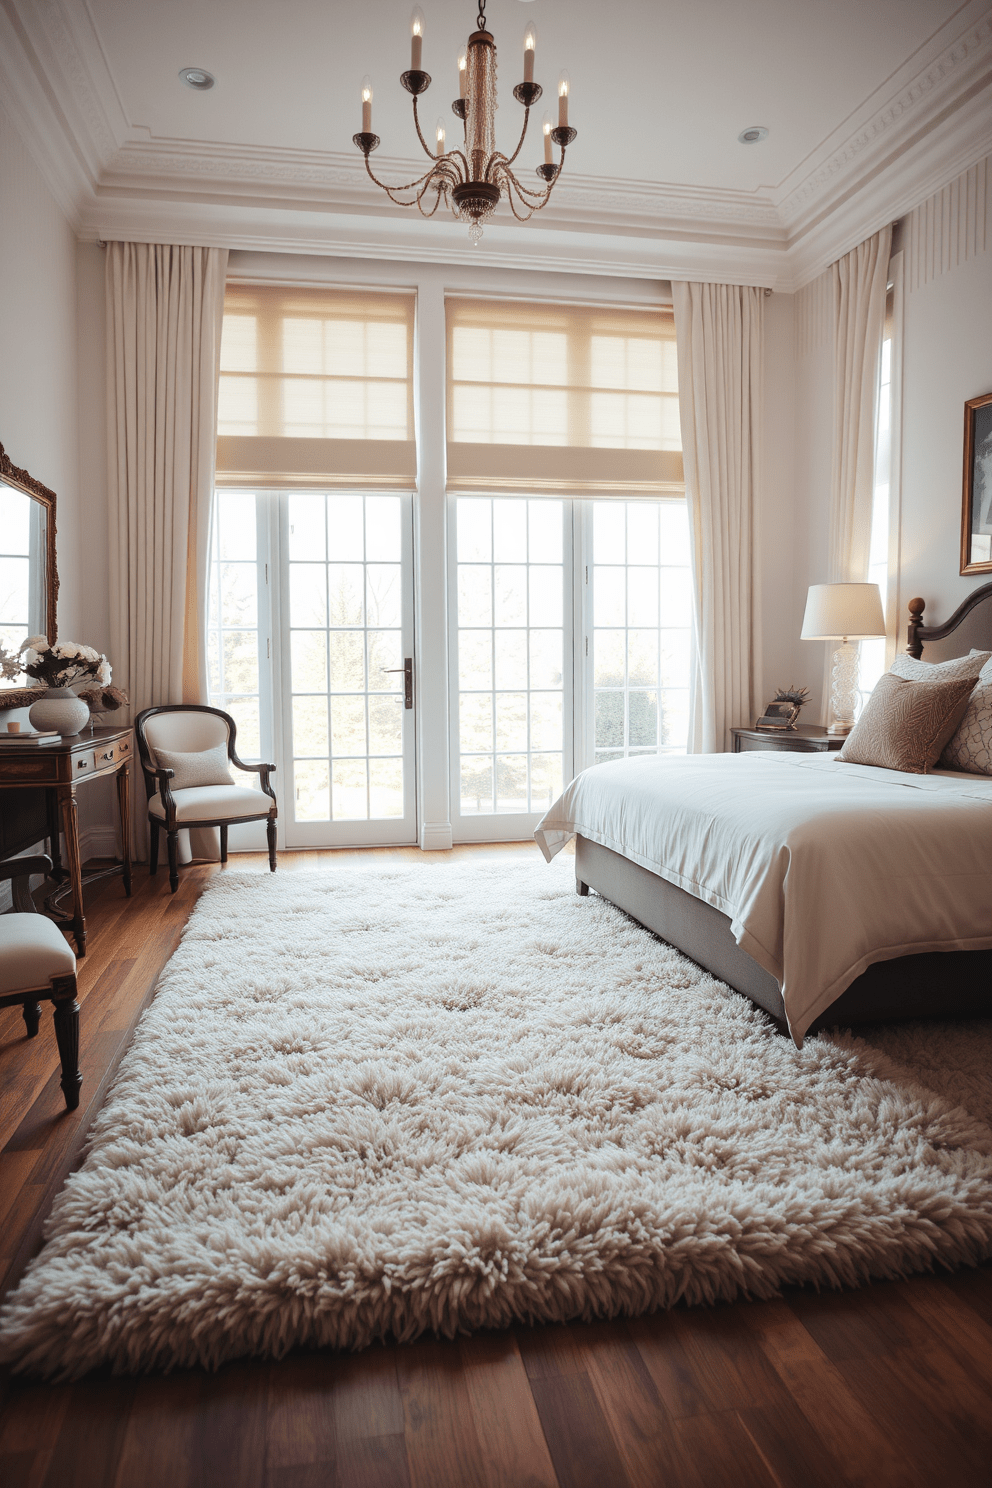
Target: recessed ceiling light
column 197, row 77
column 753, row 134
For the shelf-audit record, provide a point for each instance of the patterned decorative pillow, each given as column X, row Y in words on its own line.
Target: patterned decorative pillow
column 905, row 725
column 970, row 747
column 206, row 767
column 940, row 671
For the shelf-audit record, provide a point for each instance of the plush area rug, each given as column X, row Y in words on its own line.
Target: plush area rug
column 374, row 1103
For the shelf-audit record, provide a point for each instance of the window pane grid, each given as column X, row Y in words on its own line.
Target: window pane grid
column 232, row 622
column 641, row 626
column 346, row 656
column 510, row 653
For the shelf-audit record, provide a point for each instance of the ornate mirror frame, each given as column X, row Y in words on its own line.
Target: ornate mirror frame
column 10, row 475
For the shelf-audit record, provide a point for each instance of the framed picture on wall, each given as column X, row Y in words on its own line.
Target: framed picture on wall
column 976, row 514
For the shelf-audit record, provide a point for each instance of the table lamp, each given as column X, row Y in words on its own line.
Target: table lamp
column 845, row 613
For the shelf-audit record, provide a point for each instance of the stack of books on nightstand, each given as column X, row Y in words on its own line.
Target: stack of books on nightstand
column 30, row 736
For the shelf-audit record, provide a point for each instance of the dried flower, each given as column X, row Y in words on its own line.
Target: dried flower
column 105, row 699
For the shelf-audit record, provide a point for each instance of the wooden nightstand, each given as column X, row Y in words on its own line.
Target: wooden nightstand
column 802, row 740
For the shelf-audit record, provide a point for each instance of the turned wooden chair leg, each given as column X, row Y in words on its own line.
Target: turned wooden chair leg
column 67, row 1037
column 223, row 843
column 173, row 843
column 270, row 832
column 153, row 828
column 32, row 1017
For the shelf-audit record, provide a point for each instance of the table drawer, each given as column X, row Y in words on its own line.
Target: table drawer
column 83, row 764
column 109, row 756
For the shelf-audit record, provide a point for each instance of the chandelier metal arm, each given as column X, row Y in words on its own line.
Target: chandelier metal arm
column 520, row 141
column 416, row 119
column 407, row 186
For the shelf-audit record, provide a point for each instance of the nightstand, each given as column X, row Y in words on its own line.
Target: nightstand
column 802, row 740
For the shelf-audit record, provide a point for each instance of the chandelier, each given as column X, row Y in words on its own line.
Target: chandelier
column 470, row 181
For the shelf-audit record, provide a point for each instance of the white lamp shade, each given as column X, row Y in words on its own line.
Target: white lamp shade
column 836, row 611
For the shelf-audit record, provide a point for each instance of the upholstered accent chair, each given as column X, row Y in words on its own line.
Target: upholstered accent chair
column 36, row 961
column 186, row 752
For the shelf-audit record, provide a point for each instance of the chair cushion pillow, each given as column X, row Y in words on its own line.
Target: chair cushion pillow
column 214, row 803
column 32, row 951
column 206, row 767
column 905, row 725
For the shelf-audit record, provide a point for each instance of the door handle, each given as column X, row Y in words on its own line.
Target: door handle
column 407, row 670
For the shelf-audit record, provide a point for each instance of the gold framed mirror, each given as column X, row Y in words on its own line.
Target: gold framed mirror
column 29, row 578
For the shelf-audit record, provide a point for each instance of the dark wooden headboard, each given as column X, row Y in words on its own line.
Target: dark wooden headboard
column 972, row 619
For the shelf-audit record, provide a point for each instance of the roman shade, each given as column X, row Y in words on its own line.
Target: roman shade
column 562, row 399
column 316, row 388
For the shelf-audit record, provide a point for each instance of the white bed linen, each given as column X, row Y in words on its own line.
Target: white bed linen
column 822, row 867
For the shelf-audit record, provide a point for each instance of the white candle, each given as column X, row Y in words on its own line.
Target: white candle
column 563, row 101
column 440, row 136
column 462, row 75
column 530, row 45
column 546, row 126
column 417, row 40
column 366, row 105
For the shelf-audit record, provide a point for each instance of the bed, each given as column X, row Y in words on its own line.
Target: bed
column 877, row 907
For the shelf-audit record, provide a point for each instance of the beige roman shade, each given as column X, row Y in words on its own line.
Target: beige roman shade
column 569, row 399
column 316, row 388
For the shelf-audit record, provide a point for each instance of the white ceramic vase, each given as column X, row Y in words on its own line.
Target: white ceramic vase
column 59, row 709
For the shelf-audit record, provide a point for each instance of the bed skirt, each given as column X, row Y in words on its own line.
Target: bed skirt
column 936, row 984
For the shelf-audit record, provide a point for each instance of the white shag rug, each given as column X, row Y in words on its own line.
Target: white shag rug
column 369, row 1103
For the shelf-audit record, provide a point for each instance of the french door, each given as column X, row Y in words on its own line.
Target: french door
column 569, row 646
column 343, row 668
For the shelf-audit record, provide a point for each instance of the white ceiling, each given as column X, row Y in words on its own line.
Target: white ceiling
column 867, row 102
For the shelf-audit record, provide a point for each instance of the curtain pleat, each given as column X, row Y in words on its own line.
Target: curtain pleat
column 719, row 336
column 860, row 281
column 164, row 313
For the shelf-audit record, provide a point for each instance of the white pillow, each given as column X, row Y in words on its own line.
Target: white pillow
column 970, row 746
column 206, row 767
column 912, row 670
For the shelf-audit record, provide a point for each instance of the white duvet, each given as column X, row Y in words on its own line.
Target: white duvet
column 822, row 867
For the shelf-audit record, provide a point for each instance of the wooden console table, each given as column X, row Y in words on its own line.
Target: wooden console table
column 59, row 769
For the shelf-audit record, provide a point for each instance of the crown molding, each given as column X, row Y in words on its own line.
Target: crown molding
column 505, row 245
column 928, row 122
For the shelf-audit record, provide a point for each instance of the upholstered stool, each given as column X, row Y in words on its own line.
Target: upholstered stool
column 37, row 962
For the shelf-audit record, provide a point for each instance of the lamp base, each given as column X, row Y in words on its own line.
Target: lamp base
column 843, row 689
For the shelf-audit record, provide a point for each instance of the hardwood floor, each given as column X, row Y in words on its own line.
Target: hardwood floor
column 890, row 1385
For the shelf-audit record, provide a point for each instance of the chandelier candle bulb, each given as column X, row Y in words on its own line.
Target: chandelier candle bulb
column 440, row 137
column 563, row 87
column 417, row 40
column 366, row 105
column 530, row 46
column 462, row 75
column 546, row 127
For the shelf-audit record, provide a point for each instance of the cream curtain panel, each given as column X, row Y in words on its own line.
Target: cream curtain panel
column 316, row 388
column 719, row 335
column 562, row 399
column 164, row 309
column 860, row 280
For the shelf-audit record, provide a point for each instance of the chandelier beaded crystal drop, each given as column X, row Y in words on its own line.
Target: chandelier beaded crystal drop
column 472, row 180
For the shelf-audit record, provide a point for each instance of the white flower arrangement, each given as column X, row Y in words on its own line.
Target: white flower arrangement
column 60, row 665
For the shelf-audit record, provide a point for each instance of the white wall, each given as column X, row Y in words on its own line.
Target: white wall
column 947, row 358
column 38, row 348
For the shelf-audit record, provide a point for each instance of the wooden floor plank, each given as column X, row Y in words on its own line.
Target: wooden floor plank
column 374, row 1462
column 639, row 1422
column 161, row 1440
column 506, row 1420
column 582, row 1447
column 91, row 1436
column 442, row 1445
column 300, row 1424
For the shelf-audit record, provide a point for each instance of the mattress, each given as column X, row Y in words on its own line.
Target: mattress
column 822, row 868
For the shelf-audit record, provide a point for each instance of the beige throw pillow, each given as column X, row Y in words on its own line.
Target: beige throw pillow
column 206, row 767
column 970, row 747
column 905, row 725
